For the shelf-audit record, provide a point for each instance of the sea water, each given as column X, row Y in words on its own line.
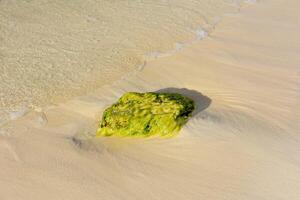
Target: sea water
column 51, row 51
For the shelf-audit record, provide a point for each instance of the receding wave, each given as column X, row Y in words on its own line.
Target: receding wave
column 54, row 50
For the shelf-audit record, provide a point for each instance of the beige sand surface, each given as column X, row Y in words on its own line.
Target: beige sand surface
column 243, row 142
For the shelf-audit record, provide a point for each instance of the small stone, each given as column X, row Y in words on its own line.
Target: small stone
column 146, row 114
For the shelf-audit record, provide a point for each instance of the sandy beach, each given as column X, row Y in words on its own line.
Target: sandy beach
column 242, row 141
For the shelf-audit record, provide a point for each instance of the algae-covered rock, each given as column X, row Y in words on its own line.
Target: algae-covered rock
column 146, row 114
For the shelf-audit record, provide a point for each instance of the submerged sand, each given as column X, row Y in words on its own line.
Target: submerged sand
column 51, row 51
column 242, row 143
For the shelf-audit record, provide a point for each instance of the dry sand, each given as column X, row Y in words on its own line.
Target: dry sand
column 242, row 143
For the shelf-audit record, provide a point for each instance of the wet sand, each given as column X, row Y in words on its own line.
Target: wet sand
column 242, row 143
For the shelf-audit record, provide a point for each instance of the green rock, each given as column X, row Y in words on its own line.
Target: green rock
column 146, row 114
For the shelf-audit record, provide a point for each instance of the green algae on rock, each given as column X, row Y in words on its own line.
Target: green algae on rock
column 146, row 114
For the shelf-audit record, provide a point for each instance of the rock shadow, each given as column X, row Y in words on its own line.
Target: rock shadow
column 201, row 101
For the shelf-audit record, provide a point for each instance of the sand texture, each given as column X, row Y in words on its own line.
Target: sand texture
column 242, row 142
column 51, row 51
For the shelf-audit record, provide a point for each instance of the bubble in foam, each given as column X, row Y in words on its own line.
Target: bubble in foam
column 201, row 34
column 13, row 115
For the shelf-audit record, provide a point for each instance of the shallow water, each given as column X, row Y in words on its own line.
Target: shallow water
column 51, row 51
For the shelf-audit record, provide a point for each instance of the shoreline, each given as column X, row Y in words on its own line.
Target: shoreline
column 243, row 145
column 59, row 64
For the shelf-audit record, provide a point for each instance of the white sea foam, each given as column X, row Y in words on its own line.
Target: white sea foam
column 201, row 34
column 13, row 115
